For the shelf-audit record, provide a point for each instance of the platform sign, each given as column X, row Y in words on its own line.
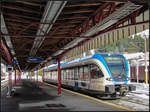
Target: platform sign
column 35, row 59
column 54, row 61
column 14, row 62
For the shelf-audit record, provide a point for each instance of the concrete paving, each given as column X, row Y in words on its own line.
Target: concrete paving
column 30, row 98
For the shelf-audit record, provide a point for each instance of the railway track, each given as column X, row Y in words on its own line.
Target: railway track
column 131, row 102
column 125, row 101
column 135, row 101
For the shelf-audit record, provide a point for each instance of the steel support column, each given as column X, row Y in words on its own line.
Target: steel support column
column 59, row 77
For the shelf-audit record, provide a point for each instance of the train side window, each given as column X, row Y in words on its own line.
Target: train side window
column 80, row 73
column 51, row 74
column 85, row 73
column 95, row 72
column 67, row 76
column 75, row 73
column 64, row 74
column 72, row 73
column 56, row 75
column 61, row 74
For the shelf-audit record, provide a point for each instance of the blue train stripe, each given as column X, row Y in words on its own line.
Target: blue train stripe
column 127, row 71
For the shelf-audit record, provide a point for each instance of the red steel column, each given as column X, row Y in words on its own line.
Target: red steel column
column 59, row 78
column 43, row 78
column 15, row 75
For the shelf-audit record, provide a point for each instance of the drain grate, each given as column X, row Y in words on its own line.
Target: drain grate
column 55, row 105
column 40, row 106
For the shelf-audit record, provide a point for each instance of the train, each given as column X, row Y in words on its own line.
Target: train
column 103, row 74
column 141, row 73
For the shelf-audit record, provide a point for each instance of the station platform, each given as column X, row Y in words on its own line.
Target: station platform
column 31, row 98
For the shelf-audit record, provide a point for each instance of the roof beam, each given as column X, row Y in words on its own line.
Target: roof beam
column 41, row 50
column 68, row 26
column 77, row 11
column 53, row 37
column 62, row 32
column 66, row 29
column 22, row 16
column 30, row 3
column 20, row 26
column 74, row 21
column 21, row 9
column 17, row 20
column 73, row 17
column 83, row 4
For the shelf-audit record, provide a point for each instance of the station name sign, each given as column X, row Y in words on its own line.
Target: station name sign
column 35, row 59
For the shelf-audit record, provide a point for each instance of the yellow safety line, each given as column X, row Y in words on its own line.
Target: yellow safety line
column 97, row 100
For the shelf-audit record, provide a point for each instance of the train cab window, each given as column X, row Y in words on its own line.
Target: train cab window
column 95, row 72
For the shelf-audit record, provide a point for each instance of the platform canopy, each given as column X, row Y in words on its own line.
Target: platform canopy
column 46, row 29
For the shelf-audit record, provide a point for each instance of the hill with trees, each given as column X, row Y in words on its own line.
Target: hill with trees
column 130, row 45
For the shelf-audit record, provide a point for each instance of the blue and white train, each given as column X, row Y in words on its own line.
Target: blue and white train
column 102, row 73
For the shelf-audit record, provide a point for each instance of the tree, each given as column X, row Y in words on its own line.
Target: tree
column 132, row 44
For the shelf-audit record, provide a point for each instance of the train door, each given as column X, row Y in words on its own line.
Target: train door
column 85, row 77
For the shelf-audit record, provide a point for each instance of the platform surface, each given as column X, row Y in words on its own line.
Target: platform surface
column 29, row 98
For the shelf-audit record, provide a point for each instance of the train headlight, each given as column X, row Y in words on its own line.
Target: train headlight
column 109, row 79
column 128, row 78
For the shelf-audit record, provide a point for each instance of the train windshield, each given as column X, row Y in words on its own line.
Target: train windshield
column 117, row 67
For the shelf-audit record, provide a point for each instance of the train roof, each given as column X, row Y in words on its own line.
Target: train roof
column 53, row 66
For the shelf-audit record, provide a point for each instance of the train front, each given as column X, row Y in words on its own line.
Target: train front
column 118, row 69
